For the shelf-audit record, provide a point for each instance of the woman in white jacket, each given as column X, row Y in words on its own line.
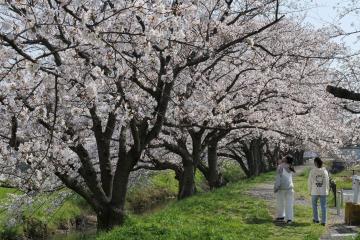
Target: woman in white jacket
column 284, row 189
column 318, row 184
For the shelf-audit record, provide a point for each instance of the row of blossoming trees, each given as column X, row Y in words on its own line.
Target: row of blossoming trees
column 92, row 91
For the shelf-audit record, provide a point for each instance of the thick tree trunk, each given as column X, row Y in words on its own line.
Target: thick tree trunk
column 115, row 209
column 251, row 162
column 110, row 217
column 187, row 181
column 186, row 177
column 257, row 153
column 214, row 177
column 220, row 180
column 255, row 157
column 298, row 157
column 187, row 186
column 272, row 155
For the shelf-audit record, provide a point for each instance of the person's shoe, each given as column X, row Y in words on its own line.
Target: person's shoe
column 314, row 221
column 289, row 222
column 323, row 224
column 279, row 219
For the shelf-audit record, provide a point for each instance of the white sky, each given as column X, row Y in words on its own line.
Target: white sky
column 325, row 12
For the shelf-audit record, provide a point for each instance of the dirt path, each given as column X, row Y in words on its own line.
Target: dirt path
column 336, row 229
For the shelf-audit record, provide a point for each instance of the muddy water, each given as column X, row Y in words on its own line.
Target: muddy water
column 89, row 234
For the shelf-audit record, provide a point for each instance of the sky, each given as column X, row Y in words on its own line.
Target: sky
column 325, row 12
column 322, row 12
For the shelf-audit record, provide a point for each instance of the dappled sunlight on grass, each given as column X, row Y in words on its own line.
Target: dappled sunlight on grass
column 226, row 213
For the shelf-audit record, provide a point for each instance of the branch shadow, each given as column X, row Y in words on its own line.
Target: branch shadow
column 257, row 220
column 294, row 224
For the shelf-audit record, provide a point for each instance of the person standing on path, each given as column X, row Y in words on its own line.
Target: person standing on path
column 284, row 190
column 318, row 185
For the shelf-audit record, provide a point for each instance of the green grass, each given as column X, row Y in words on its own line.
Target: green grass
column 161, row 187
column 5, row 191
column 224, row 214
column 301, row 184
column 343, row 179
column 72, row 207
column 353, row 238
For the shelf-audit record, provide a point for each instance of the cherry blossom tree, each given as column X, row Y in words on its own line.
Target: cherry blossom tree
column 271, row 83
column 345, row 87
column 86, row 85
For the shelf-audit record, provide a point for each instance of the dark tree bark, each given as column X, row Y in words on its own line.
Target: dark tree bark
column 238, row 158
column 214, row 177
column 110, row 217
column 187, row 177
column 220, row 179
column 106, row 192
column 254, row 155
column 14, row 142
column 187, row 186
column 190, row 162
column 213, row 164
column 343, row 93
column 211, row 172
column 298, row 155
column 272, row 155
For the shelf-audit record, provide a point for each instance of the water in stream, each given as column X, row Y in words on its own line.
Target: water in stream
column 75, row 235
column 90, row 233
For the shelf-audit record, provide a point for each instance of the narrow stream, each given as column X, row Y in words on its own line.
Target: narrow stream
column 90, row 233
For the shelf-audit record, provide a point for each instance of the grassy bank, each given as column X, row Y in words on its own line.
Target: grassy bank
column 43, row 216
column 226, row 214
column 159, row 188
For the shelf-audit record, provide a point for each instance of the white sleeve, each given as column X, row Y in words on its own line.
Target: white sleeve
column 327, row 180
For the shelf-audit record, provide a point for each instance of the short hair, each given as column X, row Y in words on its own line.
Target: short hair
column 290, row 160
column 318, row 162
